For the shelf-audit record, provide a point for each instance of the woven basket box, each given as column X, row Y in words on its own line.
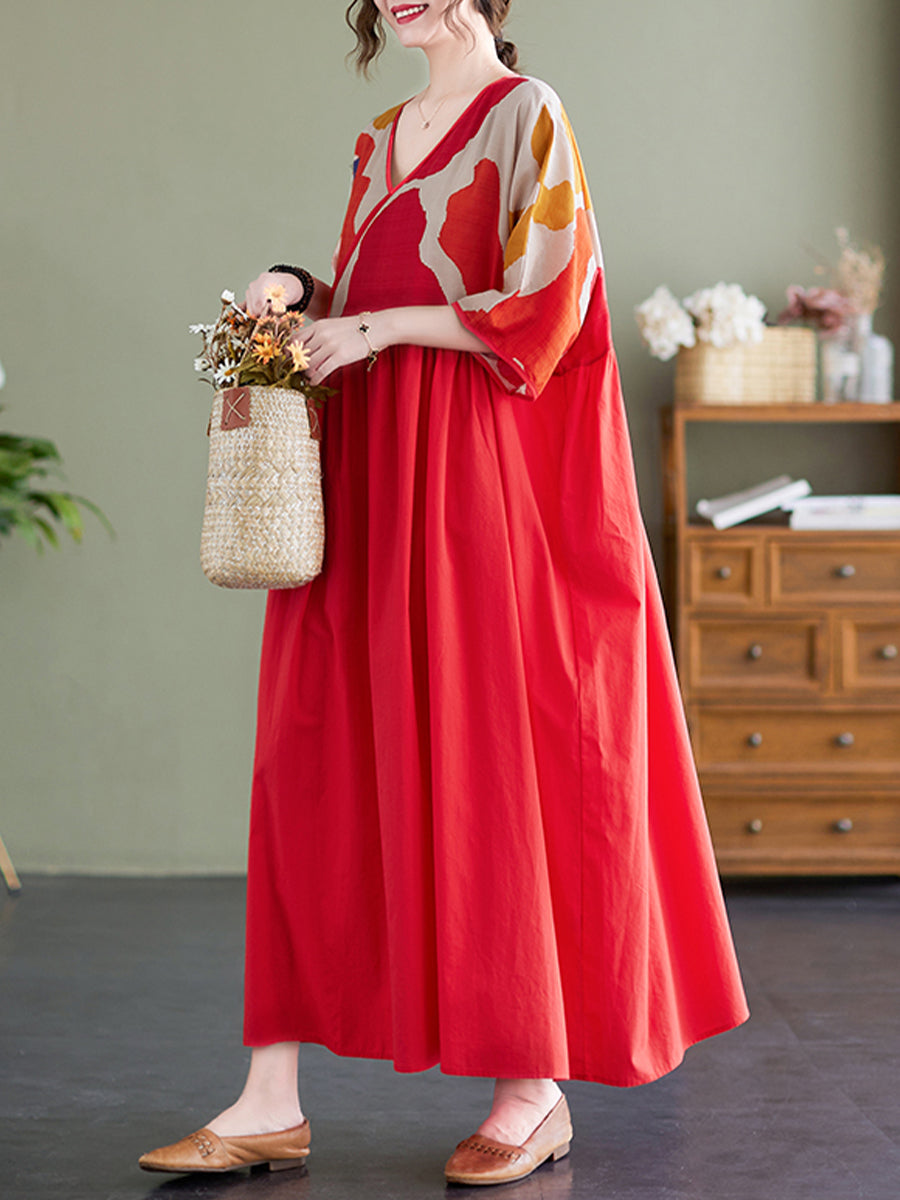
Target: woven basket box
column 781, row 369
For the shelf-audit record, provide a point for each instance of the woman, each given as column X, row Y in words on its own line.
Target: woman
column 477, row 837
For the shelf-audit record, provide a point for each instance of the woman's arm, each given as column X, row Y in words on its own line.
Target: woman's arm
column 425, row 325
column 338, row 341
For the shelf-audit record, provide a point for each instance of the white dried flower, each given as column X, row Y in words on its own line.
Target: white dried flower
column 664, row 324
column 204, row 329
column 725, row 315
column 200, row 365
column 228, row 297
column 225, row 372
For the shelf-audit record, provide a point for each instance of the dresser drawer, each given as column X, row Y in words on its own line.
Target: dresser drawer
column 835, row 572
column 825, row 830
column 724, row 573
column 825, row 742
column 870, row 653
column 756, row 655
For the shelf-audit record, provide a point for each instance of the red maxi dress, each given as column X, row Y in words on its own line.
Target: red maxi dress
column 477, row 837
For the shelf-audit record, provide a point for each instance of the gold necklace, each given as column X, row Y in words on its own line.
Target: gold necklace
column 427, row 124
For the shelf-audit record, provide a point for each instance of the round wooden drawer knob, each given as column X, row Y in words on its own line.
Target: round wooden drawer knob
column 754, row 740
column 888, row 651
column 754, row 826
column 845, row 739
column 847, row 571
column 755, row 651
column 724, row 573
column 844, row 825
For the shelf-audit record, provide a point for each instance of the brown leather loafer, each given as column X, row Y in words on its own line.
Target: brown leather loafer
column 480, row 1159
column 206, row 1151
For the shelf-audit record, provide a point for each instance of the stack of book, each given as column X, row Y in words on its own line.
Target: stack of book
column 845, row 512
column 806, row 511
column 778, row 493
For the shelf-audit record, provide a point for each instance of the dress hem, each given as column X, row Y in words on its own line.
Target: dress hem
column 582, row 1076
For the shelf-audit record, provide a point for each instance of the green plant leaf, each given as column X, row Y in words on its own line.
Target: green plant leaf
column 24, row 460
column 35, row 448
column 98, row 513
column 65, row 509
column 48, row 531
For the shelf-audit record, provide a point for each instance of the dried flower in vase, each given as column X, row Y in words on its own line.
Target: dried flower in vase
column 857, row 278
column 860, row 273
column 856, row 364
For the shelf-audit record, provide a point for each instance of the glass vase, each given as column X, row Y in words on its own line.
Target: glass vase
column 876, row 362
column 839, row 365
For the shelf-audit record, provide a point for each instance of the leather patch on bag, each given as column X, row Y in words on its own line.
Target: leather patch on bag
column 235, row 408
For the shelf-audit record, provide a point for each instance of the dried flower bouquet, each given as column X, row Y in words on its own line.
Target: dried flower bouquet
column 240, row 350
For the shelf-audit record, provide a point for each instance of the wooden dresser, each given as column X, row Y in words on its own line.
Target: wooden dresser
column 788, row 648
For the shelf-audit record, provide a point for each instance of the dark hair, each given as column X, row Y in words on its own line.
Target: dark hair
column 366, row 22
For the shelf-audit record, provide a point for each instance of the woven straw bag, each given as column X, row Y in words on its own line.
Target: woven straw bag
column 263, row 525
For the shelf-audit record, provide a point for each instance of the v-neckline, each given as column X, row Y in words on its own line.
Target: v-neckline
column 389, row 169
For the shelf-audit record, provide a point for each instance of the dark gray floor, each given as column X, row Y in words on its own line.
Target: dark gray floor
column 120, row 1026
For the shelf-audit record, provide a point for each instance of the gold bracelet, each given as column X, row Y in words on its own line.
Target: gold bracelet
column 372, row 356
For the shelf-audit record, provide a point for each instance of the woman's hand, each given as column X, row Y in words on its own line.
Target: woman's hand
column 256, row 300
column 332, row 343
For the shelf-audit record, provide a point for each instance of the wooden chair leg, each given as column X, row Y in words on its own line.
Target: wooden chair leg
column 7, row 870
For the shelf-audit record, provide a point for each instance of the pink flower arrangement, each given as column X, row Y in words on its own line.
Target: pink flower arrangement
column 825, row 309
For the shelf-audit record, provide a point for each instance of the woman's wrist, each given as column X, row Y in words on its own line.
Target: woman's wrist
column 306, row 281
column 383, row 328
column 317, row 294
column 437, row 326
column 364, row 326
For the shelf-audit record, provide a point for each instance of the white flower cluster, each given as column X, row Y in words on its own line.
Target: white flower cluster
column 219, row 359
column 223, row 372
column 725, row 315
column 664, row 324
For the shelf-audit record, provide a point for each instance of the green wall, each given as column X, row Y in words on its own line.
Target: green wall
column 153, row 152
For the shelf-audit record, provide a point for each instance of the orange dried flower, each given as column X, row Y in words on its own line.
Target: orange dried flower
column 299, row 356
column 265, row 348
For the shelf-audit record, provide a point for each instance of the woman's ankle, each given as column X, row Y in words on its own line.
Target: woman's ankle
column 251, row 1115
column 543, row 1093
column 269, row 1101
column 519, row 1107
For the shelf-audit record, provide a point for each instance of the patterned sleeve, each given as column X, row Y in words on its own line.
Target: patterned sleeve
column 552, row 257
